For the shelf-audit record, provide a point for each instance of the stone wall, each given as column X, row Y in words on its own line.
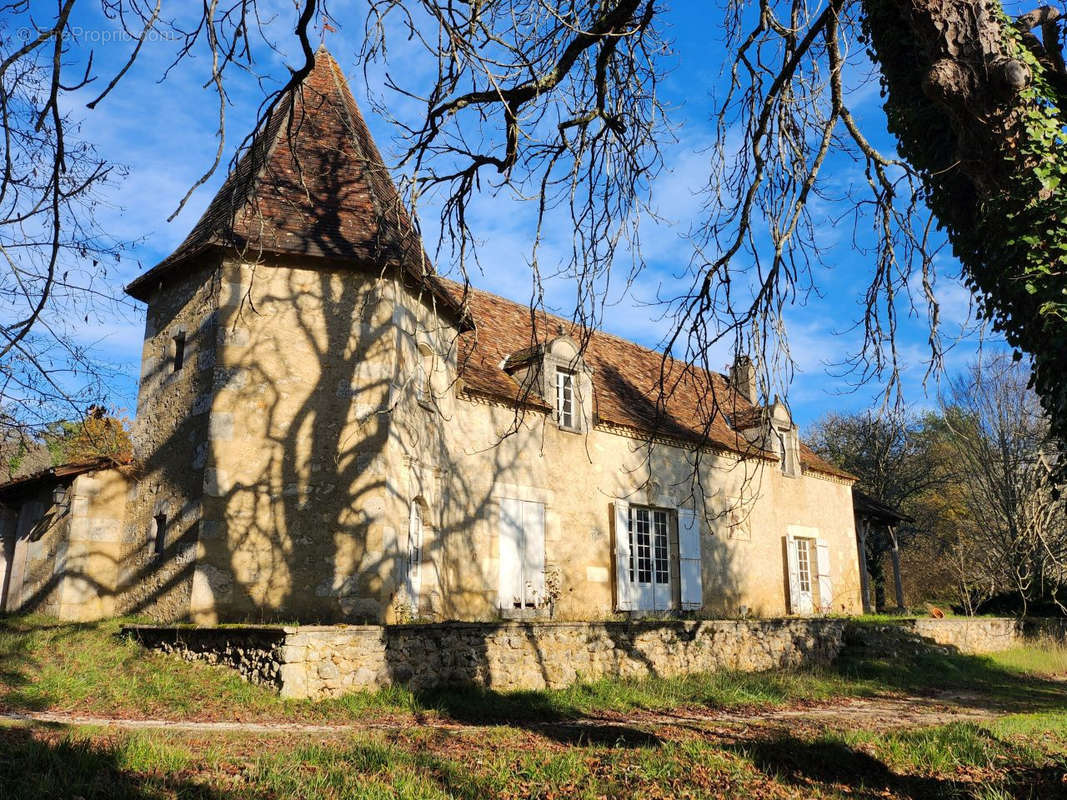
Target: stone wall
column 170, row 441
column 968, row 635
column 253, row 651
column 325, row 661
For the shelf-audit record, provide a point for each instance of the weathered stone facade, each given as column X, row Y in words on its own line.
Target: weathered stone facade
column 63, row 548
column 326, row 661
column 171, row 437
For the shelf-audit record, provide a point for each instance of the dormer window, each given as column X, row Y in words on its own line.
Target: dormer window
column 556, row 373
column 565, row 410
column 787, row 448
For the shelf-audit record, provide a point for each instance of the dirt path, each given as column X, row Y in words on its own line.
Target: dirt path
column 852, row 713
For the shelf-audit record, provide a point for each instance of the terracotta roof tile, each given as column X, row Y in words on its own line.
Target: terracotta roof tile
column 626, row 378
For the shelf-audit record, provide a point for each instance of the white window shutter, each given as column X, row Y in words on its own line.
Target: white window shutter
column 559, row 397
column 414, row 556
column 510, row 557
column 624, row 594
column 689, row 560
column 826, row 586
column 533, row 527
column 794, row 574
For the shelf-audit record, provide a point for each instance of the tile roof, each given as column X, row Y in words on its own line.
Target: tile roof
column 33, row 480
column 876, row 510
column 626, row 379
column 314, row 184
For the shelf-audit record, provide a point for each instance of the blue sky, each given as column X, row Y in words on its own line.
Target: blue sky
column 164, row 132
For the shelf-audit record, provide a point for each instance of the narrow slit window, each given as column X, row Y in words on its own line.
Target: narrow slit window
column 565, row 398
column 160, row 542
column 179, row 351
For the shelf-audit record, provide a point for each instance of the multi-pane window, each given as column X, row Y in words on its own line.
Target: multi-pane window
column 804, row 566
column 650, row 550
column 565, row 398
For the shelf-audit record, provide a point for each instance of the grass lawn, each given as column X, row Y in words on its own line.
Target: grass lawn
column 529, row 744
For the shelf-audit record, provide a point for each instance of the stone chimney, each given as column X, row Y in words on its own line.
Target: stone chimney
column 743, row 379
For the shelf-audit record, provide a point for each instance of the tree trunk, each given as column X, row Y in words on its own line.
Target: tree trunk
column 978, row 115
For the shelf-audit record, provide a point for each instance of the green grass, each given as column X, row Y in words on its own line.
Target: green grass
column 537, row 749
column 1047, row 657
column 966, row 761
column 88, row 668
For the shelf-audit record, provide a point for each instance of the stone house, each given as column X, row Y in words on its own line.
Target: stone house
column 327, row 430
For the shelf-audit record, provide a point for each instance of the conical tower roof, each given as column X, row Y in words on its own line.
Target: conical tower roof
column 314, row 185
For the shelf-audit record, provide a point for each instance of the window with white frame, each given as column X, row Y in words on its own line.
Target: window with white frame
column 658, row 562
column 650, row 549
column 566, row 415
column 804, row 566
column 811, row 587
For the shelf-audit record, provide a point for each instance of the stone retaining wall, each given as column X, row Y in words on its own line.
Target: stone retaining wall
column 255, row 652
column 971, row 635
column 325, row 661
column 967, row 635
